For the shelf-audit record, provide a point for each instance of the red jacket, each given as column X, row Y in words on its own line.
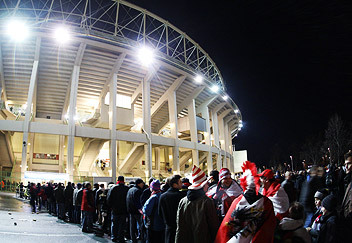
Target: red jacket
column 87, row 201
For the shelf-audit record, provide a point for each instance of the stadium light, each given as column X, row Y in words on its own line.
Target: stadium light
column 225, row 97
column 241, row 125
column 146, row 56
column 215, row 88
column 17, row 30
column 198, row 79
column 236, row 111
column 62, row 35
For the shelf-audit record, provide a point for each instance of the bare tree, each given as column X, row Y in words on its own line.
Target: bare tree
column 337, row 139
column 312, row 150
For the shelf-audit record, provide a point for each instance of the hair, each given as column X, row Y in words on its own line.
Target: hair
column 120, row 178
column 296, row 211
column 215, row 175
column 348, row 154
column 174, row 180
column 88, row 184
column 151, row 179
column 101, row 185
column 139, row 181
column 79, row 185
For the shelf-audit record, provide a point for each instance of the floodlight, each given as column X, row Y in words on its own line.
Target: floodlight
column 241, row 125
column 215, row 88
column 146, row 56
column 62, row 35
column 235, row 135
column 239, row 129
column 198, row 79
column 236, row 111
column 17, row 30
column 225, row 97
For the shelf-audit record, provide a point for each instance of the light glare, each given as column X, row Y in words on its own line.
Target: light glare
column 62, row 35
column 146, row 56
column 225, row 97
column 199, row 79
column 17, row 30
column 236, row 111
column 215, row 88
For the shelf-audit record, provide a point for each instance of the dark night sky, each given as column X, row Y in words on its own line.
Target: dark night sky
column 286, row 64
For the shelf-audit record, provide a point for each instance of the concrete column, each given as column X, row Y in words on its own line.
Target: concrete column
column 28, row 114
column 174, row 131
column 112, row 125
column 147, row 123
column 157, row 158
column 71, row 121
column 193, row 130
column 31, row 150
column 216, row 138
column 226, row 143
column 205, row 115
column 61, row 153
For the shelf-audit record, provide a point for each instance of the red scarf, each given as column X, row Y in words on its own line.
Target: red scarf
column 272, row 190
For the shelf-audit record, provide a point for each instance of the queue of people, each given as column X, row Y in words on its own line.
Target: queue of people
column 259, row 207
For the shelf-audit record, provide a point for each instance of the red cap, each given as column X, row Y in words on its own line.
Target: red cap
column 267, row 173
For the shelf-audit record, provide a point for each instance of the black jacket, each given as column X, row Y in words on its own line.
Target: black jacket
column 59, row 195
column 68, row 195
column 168, row 206
column 133, row 200
column 145, row 195
column 327, row 233
column 116, row 199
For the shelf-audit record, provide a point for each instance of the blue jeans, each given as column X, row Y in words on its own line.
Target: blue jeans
column 87, row 221
column 135, row 226
column 118, row 226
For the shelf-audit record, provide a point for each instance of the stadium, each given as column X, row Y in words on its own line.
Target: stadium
column 104, row 88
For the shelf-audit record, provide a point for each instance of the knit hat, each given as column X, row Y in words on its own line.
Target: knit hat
column 224, row 173
column 329, row 203
column 199, row 178
column 155, row 185
column 267, row 173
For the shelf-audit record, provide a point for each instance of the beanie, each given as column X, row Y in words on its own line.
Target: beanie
column 155, row 185
column 329, row 203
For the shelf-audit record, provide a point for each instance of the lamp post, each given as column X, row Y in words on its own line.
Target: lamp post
column 291, row 162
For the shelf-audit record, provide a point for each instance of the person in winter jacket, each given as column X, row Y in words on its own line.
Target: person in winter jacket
column 60, row 201
column 88, row 209
column 224, row 192
column 33, row 194
column 153, row 222
column 116, row 200
column 272, row 189
column 251, row 216
column 328, row 221
column 134, row 208
column 68, row 201
column 77, row 202
column 289, row 187
column 168, row 205
column 197, row 221
column 291, row 228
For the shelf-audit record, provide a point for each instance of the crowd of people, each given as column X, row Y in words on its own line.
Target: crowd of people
column 303, row 206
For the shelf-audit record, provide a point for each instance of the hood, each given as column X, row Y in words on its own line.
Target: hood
column 290, row 224
column 193, row 195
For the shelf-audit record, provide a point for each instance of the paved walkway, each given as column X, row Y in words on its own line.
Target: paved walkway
column 18, row 224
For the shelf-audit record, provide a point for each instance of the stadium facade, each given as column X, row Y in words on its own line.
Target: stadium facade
column 103, row 88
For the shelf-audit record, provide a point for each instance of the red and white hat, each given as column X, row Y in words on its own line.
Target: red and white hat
column 224, row 173
column 199, row 179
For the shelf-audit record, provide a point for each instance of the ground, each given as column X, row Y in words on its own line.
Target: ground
column 18, row 224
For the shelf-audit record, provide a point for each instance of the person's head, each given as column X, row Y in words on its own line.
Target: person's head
column 319, row 196
column 69, row 184
column 155, row 185
column 348, row 161
column 329, row 204
column 101, row 186
column 88, row 186
column 225, row 177
column 175, row 182
column 296, row 211
column 79, row 185
column 199, row 180
column 151, row 179
column 96, row 185
column 140, row 183
column 185, row 183
column 121, row 179
column 215, row 175
column 266, row 178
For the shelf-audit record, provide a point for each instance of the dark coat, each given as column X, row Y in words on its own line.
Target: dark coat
column 59, row 194
column 133, row 200
column 168, row 206
column 289, row 187
column 68, row 196
column 328, row 229
column 145, row 195
column 309, row 188
column 116, row 199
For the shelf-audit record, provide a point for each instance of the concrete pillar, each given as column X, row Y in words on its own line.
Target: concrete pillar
column 61, row 153
column 193, row 130
column 174, row 131
column 28, row 113
column 31, row 150
column 157, row 158
column 216, row 138
column 147, row 124
column 112, row 125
